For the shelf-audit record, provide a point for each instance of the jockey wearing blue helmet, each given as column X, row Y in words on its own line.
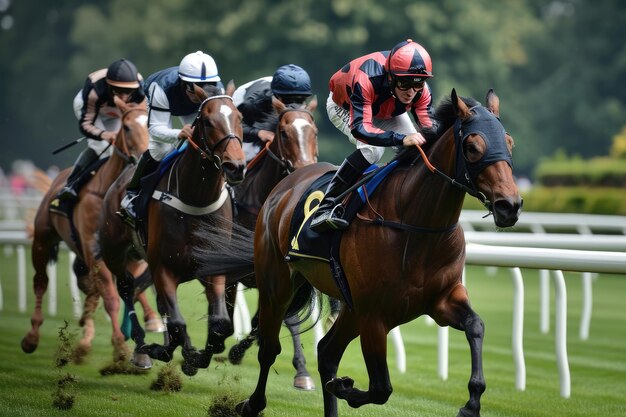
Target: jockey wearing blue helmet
column 290, row 84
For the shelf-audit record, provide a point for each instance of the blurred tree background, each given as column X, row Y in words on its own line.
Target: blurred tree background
column 556, row 65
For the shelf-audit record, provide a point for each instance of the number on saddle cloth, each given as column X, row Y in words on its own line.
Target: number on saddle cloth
column 305, row 243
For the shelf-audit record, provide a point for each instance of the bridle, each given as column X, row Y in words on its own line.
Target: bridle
column 207, row 151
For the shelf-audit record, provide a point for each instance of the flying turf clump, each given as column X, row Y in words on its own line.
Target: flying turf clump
column 64, row 394
column 168, row 380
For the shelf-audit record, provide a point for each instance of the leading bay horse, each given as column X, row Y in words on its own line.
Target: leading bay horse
column 402, row 256
column 294, row 146
column 79, row 233
column 191, row 192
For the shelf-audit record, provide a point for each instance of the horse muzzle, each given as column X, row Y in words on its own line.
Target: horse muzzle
column 506, row 211
column 234, row 173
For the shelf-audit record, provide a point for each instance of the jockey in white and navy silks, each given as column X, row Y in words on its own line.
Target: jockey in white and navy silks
column 170, row 94
column 368, row 102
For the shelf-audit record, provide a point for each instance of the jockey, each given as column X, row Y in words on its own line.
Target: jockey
column 290, row 84
column 99, row 118
column 368, row 102
column 170, row 93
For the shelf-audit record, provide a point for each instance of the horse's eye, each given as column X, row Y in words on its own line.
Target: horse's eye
column 473, row 149
column 126, row 129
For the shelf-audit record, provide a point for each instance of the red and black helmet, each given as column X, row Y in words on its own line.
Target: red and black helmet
column 409, row 59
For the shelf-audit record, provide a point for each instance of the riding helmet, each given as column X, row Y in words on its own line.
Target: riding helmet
column 123, row 74
column 408, row 59
column 291, row 80
column 198, row 67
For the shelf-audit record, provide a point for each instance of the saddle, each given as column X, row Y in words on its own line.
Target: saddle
column 307, row 244
column 66, row 207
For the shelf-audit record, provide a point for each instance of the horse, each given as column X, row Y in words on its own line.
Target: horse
column 402, row 256
column 294, row 146
column 191, row 191
column 51, row 226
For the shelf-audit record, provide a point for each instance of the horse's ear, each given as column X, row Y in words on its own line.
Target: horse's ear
column 278, row 105
column 312, row 104
column 493, row 102
column 230, row 88
column 460, row 108
column 120, row 104
column 199, row 92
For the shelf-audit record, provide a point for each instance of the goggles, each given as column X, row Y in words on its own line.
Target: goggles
column 189, row 85
column 405, row 83
column 118, row 91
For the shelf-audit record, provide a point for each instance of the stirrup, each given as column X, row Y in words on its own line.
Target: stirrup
column 330, row 219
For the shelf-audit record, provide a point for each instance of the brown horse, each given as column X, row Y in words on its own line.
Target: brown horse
column 190, row 192
column 402, row 257
column 79, row 233
column 294, row 146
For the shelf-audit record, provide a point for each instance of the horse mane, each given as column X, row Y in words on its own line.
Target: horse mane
column 443, row 117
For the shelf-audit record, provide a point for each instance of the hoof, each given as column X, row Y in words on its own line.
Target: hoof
column 155, row 326
column 28, row 347
column 188, row 369
column 244, row 410
column 141, row 361
column 158, row 352
column 338, row 386
column 198, row 358
column 236, row 354
column 304, row 383
column 464, row 412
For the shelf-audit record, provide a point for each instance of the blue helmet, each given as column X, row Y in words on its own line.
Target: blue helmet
column 291, row 80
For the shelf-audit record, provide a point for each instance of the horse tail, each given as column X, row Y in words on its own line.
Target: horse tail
column 217, row 253
column 54, row 253
column 302, row 306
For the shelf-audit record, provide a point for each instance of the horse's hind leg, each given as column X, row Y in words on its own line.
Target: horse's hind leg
column 111, row 300
column 271, row 313
column 457, row 313
column 303, row 379
column 374, row 347
column 126, row 289
column 42, row 251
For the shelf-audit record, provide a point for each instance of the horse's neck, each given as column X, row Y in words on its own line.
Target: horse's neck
column 255, row 188
column 427, row 199
column 194, row 180
column 109, row 172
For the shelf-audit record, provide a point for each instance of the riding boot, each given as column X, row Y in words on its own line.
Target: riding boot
column 146, row 165
column 70, row 191
column 329, row 214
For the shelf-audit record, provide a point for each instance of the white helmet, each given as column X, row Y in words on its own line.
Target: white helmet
column 198, row 67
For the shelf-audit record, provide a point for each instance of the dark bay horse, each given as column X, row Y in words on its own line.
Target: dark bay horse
column 191, row 191
column 294, row 146
column 402, row 256
column 79, row 233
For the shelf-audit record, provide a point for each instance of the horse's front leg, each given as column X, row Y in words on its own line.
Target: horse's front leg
column 220, row 324
column 166, row 284
column 457, row 313
column 329, row 352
